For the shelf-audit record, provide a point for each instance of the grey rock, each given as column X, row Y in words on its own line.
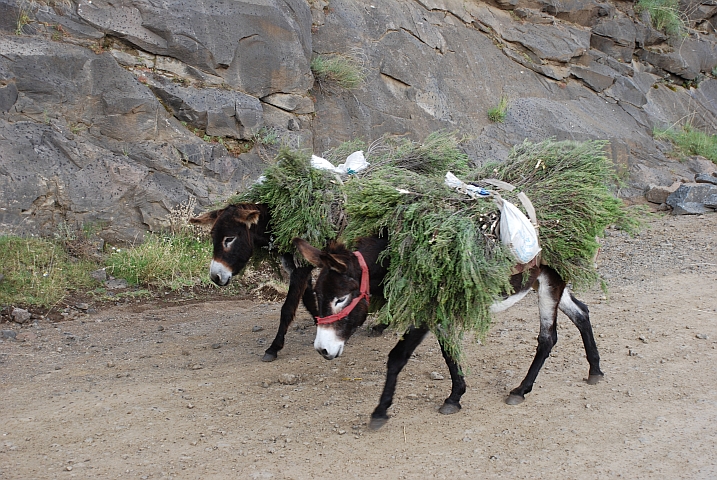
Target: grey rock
column 116, row 283
column 705, row 178
column 688, row 60
column 8, row 334
column 239, row 41
column 257, row 328
column 20, row 315
column 690, row 198
column 218, row 112
column 659, row 193
column 99, row 275
column 597, row 76
column 288, row 379
column 625, row 90
column 615, row 36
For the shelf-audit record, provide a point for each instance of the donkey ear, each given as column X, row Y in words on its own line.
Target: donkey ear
column 206, row 218
column 310, row 253
column 334, row 262
column 247, row 217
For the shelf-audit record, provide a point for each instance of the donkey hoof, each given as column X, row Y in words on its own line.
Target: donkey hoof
column 514, row 399
column 594, row 379
column 450, row 408
column 268, row 357
column 377, row 422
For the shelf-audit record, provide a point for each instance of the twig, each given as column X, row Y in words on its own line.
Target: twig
column 404, row 434
column 699, row 264
column 706, row 311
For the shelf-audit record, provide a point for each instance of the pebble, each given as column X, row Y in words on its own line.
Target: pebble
column 436, row 376
column 412, row 396
column 9, row 334
column 216, row 345
column 701, row 336
column 288, row 379
column 257, row 328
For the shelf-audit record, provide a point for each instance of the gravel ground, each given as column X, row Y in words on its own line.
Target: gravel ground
column 159, row 390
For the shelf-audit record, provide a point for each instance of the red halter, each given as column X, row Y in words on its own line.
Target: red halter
column 364, row 294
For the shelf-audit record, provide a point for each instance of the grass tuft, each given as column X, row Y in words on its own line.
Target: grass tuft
column 690, row 141
column 40, row 272
column 163, row 261
column 664, row 14
column 345, row 71
column 498, row 113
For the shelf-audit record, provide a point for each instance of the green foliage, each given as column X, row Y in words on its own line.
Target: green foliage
column 345, row 71
column 569, row 184
column 163, row 261
column 303, row 201
column 664, row 14
column 39, row 272
column 689, row 141
column 446, row 267
column 497, row 114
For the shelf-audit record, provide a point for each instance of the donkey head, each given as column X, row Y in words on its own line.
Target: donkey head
column 337, row 288
column 232, row 239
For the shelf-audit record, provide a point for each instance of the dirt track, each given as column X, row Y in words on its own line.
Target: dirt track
column 151, row 391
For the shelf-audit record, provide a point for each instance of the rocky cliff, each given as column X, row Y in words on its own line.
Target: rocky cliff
column 113, row 112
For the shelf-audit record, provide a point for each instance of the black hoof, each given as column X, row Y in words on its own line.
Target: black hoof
column 377, row 422
column 594, row 379
column 268, row 357
column 450, row 408
column 514, row 399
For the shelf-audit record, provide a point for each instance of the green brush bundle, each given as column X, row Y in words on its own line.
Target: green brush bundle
column 446, row 265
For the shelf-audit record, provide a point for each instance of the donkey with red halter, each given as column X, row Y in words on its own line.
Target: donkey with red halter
column 343, row 308
column 237, row 230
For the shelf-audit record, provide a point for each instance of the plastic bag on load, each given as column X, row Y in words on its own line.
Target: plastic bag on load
column 321, row 163
column 471, row 190
column 518, row 233
column 354, row 164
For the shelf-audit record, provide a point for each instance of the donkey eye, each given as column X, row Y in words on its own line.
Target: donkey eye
column 342, row 299
column 228, row 241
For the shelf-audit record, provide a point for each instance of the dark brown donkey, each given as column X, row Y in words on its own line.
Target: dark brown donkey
column 342, row 280
column 237, row 230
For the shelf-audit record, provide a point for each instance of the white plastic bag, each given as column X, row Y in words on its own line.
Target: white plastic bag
column 321, row 163
column 518, row 233
column 354, row 164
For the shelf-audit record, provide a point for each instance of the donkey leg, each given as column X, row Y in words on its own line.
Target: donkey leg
column 309, row 298
column 397, row 359
column 578, row 313
column 452, row 404
column 550, row 290
column 297, row 286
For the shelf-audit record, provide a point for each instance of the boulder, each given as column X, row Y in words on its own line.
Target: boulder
column 659, row 193
column 692, row 198
column 615, row 36
column 218, row 112
column 705, row 178
column 258, row 47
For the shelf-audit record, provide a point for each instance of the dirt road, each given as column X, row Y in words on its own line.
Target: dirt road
column 153, row 391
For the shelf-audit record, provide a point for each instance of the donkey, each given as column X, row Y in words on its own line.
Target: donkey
column 343, row 289
column 236, row 231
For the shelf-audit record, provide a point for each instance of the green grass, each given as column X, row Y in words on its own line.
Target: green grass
column 664, row 14
column 497, row 114
column 163, row 261
column 689, row 141
column 40, row 272
column 345, row 71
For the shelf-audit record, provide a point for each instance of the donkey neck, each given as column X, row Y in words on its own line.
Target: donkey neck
column 260, row 231
column 371, row 248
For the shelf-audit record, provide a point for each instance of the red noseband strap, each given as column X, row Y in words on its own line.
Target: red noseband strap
column 364, row 294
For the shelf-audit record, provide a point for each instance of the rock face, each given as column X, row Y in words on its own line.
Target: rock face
column 114, row 113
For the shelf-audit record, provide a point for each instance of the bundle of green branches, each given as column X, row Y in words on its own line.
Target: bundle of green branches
column 569, row 184
column 309, row 203
column 303, row 201
column 446, row 267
